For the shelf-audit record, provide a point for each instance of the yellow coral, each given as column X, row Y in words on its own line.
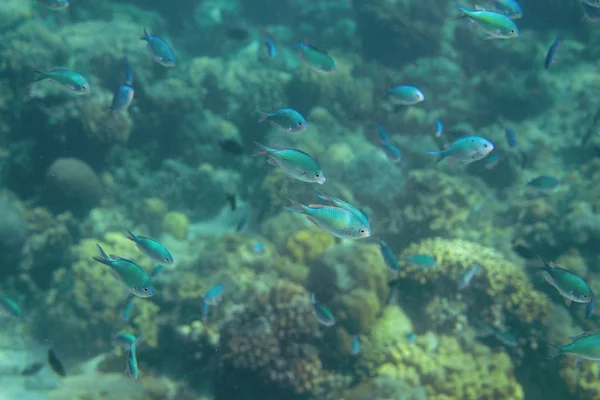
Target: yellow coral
column 177, row 224
column 306, row 246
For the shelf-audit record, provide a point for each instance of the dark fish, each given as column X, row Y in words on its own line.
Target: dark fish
column 511, row 137
column 231, row 199
column 232, row 146
column 552, row 52
column 236, row 33
column 32, row 369
column 324, row 316
column 55, row 363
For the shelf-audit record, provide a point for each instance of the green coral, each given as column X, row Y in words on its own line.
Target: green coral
column 306, row 246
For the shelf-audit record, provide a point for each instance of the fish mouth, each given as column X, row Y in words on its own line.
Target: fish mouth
column 365, row 234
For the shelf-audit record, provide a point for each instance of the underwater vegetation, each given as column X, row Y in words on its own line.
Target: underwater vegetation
column 424, row 224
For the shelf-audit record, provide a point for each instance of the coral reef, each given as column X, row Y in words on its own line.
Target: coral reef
column 72, row 185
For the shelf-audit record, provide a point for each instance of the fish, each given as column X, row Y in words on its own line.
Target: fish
column 128, row 309
column 439, row 128
column 337, row 221
column 511, row 137
column 355, row 345
column 156, row 270
column 127, row 72
column 56, row 364
column 237, row 33
column 407, row 95
column 391, row 261
column 493, row 161
column 295, row 163
column 122, row 99
column 324, row 316
column 507, row 338
column 569, row 285
column 551, row 54
column 346, row 206
column 212, row 298
column 54, row 4
column 467, row 277
column 465, row 150
column 125, row 340
column 32, row 369
column 411, row 338
column 242, row 224
column 9, row 308
column 232, row 146
column 510, row 8
column 315, row 58
column 270, row 46
column 394, row 286
column 258, row 248
column 232, row 200
column 127, row 272
column 151, row 248
column 160, row 50
column 131, row 368
column 421, row 261
column 590, row 12
column 285, row 119
column 494, row 24
column 584, row 347
column 544, row 182
column 391, row 151
column 65, row 78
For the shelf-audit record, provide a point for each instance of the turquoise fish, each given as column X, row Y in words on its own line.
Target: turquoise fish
column 285, row 119
column 160, row 50
column 324, row 316
column 346, row 206
column 65, row 78
column 9, row 308
column 584, row 347
column 391, row 261
column 132, row 365
column 295, row 163
column 126, row 339
column 407, row 95
column 465, row 150
column 494, row 24
column 421, row 261
column 151, row 248
column 315, row 58
column 569, row 285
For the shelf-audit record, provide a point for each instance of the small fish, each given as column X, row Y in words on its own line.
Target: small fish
column 9, row 308
column 54, row 4
column 324, row 316
column 467, row 277
column 386, row 145
column 67, row 79
column 232, row 146
column 439, row 128
column 237, row 33
column 590, row 12
column 160, row 49
column 315, row 58
column 391, row 261
column 156, row 270
column 132, row 365
column 493, row 161
column 258, row 248
column 271, row 49
column 232, row 200
column 465, row 150
column 569, row 285
column 295, row 163
column 510, row 8
column 285, row 119
column 212, row 298
column 337, row 221
column 121, row 99
column 421, row 261
column 411, row 338
column 32, row 369
column 346, row 206
column 127, row 72
column 550, row 56
column 355, row 345
column 495, row 25
column 544, row 183
column 151, row 248
column 511, row 137
column 242, row 225
column 55, row 363
column 407, row 95
column 125, row 340
column 128, row 310
column 585, row 347
column 507, row 338
column 127, row 272
column 394, row 286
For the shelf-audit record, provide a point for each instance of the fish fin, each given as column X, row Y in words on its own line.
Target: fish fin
column 577, row 361
column 325, row 197
column 263, row 116
column 115, row 257
column 568, row 301
column 312, row 298
column 440, row 155
column 479, row 8
column 146, row 36
column 273, row 162
column 589, row 307
column 261, row 150
column 296, row 207
column 558, row 353
column 311, row 219
column 317, row 206
column 38, row 75
column 103, row 258
column 131, row 236
column 464, row 12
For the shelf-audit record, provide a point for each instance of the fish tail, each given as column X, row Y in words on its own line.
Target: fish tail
column 545, row 266
column 131, row 236
column 465, row 11
column 38, row 75
column 262, row 150
column 558, row 353
column 297, row 207
column 146, row 36
column 263, row 116
column 440, row 155
column 103, row 257
column 325, row 197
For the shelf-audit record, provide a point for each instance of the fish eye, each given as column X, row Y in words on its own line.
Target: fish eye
column 512, row 31
column 317, row 175
column 362, row 231
column 485, row 145
column 145, row 289
column 300, row 123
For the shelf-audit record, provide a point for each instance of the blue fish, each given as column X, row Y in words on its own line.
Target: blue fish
column 242, row 225
column 407, row 95
column 551, row 55
column 465, row 150
column 258, row 248
column 411, row 338
column 421, row 261
column 127, row 73
column 121, row 99
column 129, row 309
column 355, row 345
column 160, row 49
column 324, row 316
column 391, row 151
column 132, row 364
column 493, row 161
column 507, row 338
column 467, row 277
column 389, row 257
column 156, row 270
column 439, row 128
column 511, row 137
column 271, row 49
column 212, row 298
